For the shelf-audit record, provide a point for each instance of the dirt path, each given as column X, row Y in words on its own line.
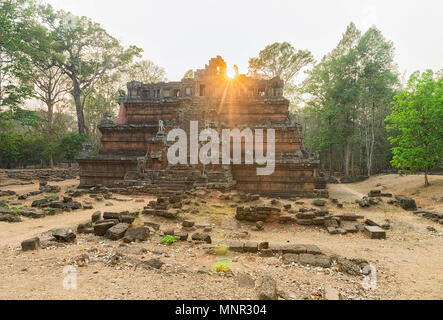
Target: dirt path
column 343, row 192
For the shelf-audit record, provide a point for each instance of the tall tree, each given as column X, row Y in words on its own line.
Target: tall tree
column 416, row 121
column 22, row 39
column 350, row 92
column 280, row 59
column 145, row 71
column 377, row 81
column 85, row 52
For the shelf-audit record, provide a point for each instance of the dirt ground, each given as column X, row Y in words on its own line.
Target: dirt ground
column 409, row 263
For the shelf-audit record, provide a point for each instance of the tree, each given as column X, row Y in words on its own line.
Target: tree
column 85, row 52
column 416, row 121
column 145, row 71
column 280, row 59
column 22, row 39
column 349, row 96
column 71, row 145
column 377, row 80
column 189, row 74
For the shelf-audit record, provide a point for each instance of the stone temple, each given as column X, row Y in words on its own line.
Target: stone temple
column 134, row 151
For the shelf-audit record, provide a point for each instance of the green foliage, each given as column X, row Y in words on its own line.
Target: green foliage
column 222, row 266
column 349, row 96
column 70, row 145
column 85, row 52
column 280, row 59
column 417, row 124
column 169, row 239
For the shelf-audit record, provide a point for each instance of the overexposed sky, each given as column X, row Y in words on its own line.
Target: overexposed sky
column 184, row 34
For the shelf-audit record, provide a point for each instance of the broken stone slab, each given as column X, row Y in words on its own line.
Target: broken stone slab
column 85, row 227
column 321, row 213
column 406, row 203
column 351, row 229
column 250, row 247
column 332, row 230
column 201, row 237
column 152, row 264
column 96, row 216
column 318, row 221
column 153, row 225
column 31, row 244
column 304, row 222
column 268, row 289
column 372, row 223
column 7, row 193
column 182, row 234
column 375, row 232
column 127, row 219
column 188, row 224
column 321, row 260
column 331, row 222
column 136, row 234
column 319, row 202
column 117, row 232
column 265, row 253
column 111, row 215
column 349, row 217
column 101, row 228
column 235, row 246
column 305, row 215
column 64, row 235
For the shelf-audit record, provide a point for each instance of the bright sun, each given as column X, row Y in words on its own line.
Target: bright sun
column 230, row 72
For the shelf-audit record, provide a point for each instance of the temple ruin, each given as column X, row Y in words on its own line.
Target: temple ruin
column 134, row 151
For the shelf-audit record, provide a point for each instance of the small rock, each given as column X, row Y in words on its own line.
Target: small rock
column 268, row 289
column 31, row 244
column 64, row 235
column 201, row 237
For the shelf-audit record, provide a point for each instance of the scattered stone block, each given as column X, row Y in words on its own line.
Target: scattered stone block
column 188, row 224
column 201, row 237
column 268, row 289
column 117, row 232
column 127, row 219
column 319, row 202
column 31, row 244
column 136, row 234
column 406, row 203
column 96, row 216
column 101, row 228
column 375, row 232
column 250, row 247
column 182, row 234
column 64, row 235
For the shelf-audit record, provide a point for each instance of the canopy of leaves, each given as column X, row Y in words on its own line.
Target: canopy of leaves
column 280, row 59
column 416, row 123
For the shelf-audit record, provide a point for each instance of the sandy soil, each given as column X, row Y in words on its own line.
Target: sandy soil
column 409, row 262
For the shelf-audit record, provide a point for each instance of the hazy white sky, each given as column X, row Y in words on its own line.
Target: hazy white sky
column 184, row 34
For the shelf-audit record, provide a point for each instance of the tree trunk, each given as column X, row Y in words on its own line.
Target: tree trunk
column 79, row 109
column 426, row 177
column 347, row 157
column 51, row 161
